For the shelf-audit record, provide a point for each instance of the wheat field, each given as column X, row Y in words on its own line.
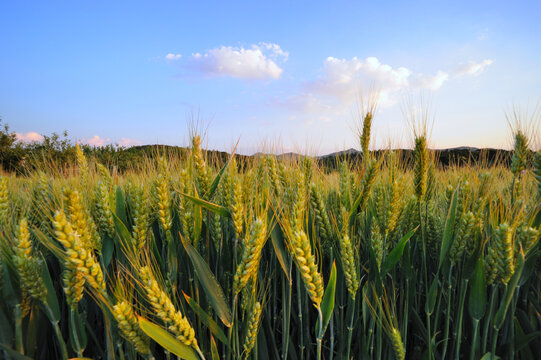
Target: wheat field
column 274, row 258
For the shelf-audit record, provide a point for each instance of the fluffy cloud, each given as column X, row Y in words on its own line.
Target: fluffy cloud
column 342, row 78
column 96, row 141
column 172, row 57
column 29, row 137
column 473, row 68
column 430, row 82
column 125, row 142
column 257, row 62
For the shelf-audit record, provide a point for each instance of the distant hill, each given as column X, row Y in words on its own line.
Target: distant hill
column 444, row 157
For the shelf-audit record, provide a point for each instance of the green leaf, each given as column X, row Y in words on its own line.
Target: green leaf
column 282, row 255
column 197, row 218
column 31, row 332
column 14, row 354
column 120, row 209
column 122, row 230
column 206, row 319
column 78, row 338
column 327, row 304
column 209, row 283
column 524, row 339
column 51, row 299
column 478, row 292
column 432, row 296
column 217, row 209
column 214, row 349
column 6, row 333
column 107, row 249
column 166, row 340
column 394, row 256
column 449, row 228
column 509, row 292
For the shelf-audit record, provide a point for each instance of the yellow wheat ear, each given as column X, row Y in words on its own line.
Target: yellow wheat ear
column 164, row 308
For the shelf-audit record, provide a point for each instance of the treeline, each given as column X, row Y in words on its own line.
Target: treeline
column 59, row 151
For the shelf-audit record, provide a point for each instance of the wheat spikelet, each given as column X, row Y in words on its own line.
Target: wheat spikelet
column 74, row 285
column 306, row 263
column 434, row 232
column 185, row 207
column 4, row 203
column 398, row 345
column 367, row 181
column 162, row 191
column 202, row 172
column 526, row 237
column 129, row 326
column 393, row 209
column 251, row 255
column 376, row 243
column 141, row 215
column 81, row 220
column 520, row 154
column 105, row 176
column 343, row 181
column 247, row 294
column 537, row 171
column 82, row 163
column 299, row 204
column 78, row 257
column 321, row 218
column 165, row 310
column 307, row 170
column 462, row 238
column 348, row 262
column 379, row 207
column 237, row 208
column 365, row 134
column 253, row 326
column 420, row 169
column 28, row 267
column 102, row 210
column 273, row 175
column 500, row 258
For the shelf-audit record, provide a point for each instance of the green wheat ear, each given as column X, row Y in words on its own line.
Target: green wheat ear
column 420, row 169
column 253, row 326
column 4, row 203
column 27, row 265
column 537, row 171
column 83, row 164
column 350, row 268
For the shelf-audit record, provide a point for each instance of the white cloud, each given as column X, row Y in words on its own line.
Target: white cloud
column 125, row 142
column 29, row 137
column 173, row 57
column 342, row 79
column 257, row 62
column 473, row 68
column 430, row 82
column 96, row 141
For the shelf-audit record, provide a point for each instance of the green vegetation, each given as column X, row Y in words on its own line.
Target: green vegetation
column 264, row 257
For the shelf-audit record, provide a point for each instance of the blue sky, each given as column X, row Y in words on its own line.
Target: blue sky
column 286, row 74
